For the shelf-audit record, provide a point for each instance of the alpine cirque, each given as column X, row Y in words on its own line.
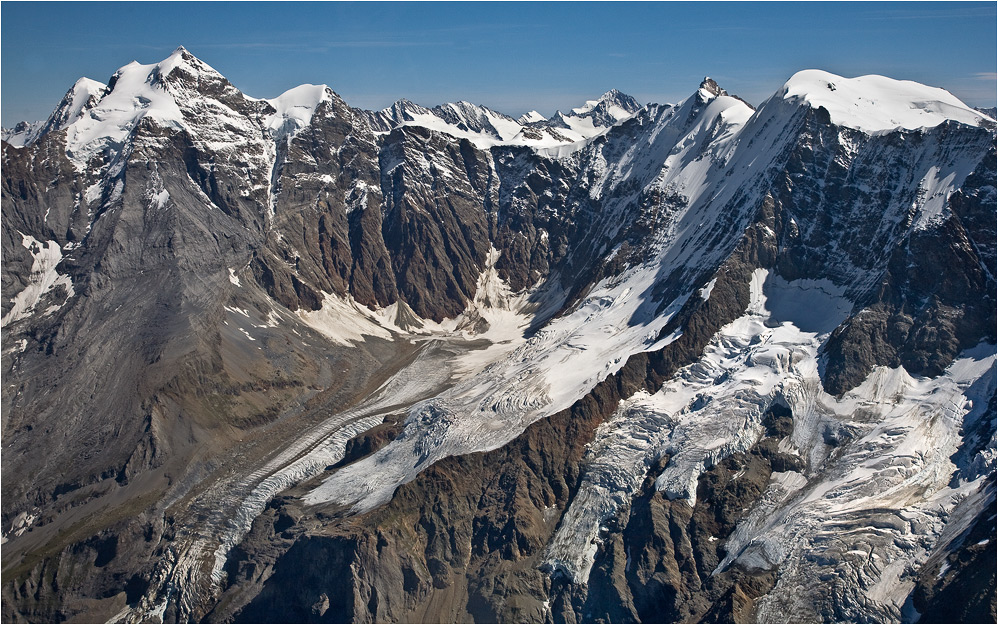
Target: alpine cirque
column 288, row 360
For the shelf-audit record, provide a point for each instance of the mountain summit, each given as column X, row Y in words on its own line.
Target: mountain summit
column 611, row 107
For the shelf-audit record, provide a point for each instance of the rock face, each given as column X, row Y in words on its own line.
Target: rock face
column 287, row 360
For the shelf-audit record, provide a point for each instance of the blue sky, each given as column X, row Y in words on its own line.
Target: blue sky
column 510, row 56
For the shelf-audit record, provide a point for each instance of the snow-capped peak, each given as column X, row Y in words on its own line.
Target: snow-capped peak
column 293, row 109
column 478, row 119
column 180, row 65
column 82, row 96
column 22, row 134
column 615, row 103
column 531, row 117
column 134, row 92
column 876, row 103
column 710, row 89
column 403, row 110
column 610, row 108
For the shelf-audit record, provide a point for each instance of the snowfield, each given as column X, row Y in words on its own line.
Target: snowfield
column 877, row 104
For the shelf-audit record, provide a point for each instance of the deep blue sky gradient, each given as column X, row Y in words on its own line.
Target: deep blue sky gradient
column 509, row 56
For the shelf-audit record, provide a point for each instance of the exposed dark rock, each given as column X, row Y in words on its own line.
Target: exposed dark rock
column 961, row 587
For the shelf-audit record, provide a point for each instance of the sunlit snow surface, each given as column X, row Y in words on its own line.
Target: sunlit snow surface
column 708, row 411
column 135, row 96
column 46, row 256
column 81, row 96
column 884, row 496
column 876, row 104
column 708, row 151
column 294, row 109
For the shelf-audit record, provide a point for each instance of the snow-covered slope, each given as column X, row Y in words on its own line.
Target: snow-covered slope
column 135, row 92
column 615, row 320
column 82, row 96
column 294, row 108
column 878, row 104
column 530, row 117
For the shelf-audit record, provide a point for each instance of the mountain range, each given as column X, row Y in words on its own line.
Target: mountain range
column 288, row 360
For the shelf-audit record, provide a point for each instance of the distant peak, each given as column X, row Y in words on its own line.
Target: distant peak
column 615, row 96
column 709, row 90
column 89, row 85
column 531, row 117
column 710, row 86
column 610, row 108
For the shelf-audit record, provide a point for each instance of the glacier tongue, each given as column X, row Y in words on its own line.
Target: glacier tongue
column 871, row 512
column 656, row 200
column 708, row 411
column 493, row 405
column 879, row 485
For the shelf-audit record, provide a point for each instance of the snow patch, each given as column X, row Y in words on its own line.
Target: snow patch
column 707, row 289
column 43, row 278
column 342, row 320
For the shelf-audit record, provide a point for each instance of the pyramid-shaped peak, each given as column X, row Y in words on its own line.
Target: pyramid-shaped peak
column 710, row 86
column 182, row 57
column 619, row 98
column 614, row 94
column 402, row 104
column 88, row 85
column 531, row 117
column 625, row 105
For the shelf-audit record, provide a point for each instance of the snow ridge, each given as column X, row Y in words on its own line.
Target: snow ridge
column 97, row 116
column 877, row 104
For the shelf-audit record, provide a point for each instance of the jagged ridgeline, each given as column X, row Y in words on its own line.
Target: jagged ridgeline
column 291, row 361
